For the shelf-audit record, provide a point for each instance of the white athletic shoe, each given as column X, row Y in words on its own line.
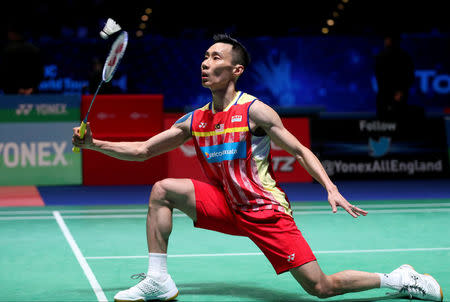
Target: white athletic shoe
column 418, row 286
column 148, row 289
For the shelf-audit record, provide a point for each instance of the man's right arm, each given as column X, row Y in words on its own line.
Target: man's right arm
column 163, row 142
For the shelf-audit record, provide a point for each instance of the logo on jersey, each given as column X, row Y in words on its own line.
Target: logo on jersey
column 202, row 125
column 291, row 257
column 226, row 151
column 236, row 118
column 219, row 127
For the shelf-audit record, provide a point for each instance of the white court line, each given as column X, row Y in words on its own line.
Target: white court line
column 27, row 218
column 296, row 213
column 377, row 206
column 257, row 254
column 118, row 216
column 81, row 260
column 393, row 211
column 293, row 205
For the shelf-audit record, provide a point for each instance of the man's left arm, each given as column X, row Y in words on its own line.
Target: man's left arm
column 264, row 117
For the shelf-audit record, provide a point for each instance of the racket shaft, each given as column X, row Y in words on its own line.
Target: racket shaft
column 83, row 123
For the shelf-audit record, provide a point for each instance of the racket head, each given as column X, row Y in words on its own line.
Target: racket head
column 115, row 55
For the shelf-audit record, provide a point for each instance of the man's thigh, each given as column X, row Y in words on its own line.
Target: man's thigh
column 213, row 211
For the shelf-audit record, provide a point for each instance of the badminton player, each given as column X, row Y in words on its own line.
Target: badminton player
column 232, row 136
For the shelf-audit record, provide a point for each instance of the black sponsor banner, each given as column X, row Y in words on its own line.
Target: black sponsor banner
column 370, row 148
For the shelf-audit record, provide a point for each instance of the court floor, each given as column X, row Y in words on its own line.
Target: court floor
column 88, row 253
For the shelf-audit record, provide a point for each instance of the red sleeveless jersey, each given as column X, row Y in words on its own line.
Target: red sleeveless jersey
column 235, row 159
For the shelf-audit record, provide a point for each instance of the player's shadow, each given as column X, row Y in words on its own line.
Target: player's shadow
column 239, row 290
column 230, row 290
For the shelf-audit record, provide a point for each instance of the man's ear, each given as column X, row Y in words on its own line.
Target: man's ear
column 238, row 70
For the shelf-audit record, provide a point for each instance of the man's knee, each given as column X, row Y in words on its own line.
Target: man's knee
column 159, row 192
column 325, row 288
column 314, row 281
column 321, row 291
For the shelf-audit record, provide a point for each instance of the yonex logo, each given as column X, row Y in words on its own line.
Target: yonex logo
column 291, row 257
column 24, row 109
column 113, row 60
column 41, row 154
column 42, row 109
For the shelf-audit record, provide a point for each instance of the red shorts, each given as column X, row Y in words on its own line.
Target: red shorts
column 275, row 233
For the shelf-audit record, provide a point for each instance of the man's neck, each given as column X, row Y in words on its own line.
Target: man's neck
column 222, row 98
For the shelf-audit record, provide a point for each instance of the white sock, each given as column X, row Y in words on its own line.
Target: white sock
column 157, row 266
column 392, row 281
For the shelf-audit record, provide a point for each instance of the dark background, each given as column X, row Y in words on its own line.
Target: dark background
column 294, row 64
column 241, row 18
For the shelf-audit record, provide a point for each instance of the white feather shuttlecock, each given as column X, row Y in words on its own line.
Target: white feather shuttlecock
column 110, row 28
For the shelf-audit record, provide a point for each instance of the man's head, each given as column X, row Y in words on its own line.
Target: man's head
column 239, row 52
column 224, row 61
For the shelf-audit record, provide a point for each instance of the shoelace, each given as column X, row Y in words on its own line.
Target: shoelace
column 141, row 276
column 415, row 288
column 148, row 287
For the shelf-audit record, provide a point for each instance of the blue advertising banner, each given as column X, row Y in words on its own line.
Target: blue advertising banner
column 366, row 148
column 330, row 73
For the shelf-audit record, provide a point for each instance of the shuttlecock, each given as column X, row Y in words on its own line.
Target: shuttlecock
column 110, row 28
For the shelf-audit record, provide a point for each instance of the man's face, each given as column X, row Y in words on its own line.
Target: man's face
column 217, row 68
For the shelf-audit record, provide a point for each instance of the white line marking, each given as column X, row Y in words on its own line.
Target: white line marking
column 180, row 256
column 393, row 211
column 81, row 260
column 27, row 218
column 118, row 216
column 259, row 253
column 31, row 212
column 296, row 212
column 294, row 205
column 386, row 250
column 377, row 206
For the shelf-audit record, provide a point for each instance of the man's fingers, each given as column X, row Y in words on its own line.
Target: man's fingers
column 359, row 211
column 333, row 207
column 355, row 211
column 350, row 210
column 363, row 212
column 76, row 130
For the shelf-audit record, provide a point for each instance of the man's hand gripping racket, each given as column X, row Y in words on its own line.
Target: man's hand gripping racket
column 112, row 62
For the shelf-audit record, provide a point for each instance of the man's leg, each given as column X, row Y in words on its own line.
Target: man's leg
column 315, row 282
column 404, row 279
column 165, row 196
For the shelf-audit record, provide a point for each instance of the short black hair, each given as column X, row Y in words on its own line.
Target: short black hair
column 240, row 53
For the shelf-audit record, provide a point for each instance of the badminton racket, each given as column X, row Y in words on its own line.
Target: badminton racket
column 109, row 68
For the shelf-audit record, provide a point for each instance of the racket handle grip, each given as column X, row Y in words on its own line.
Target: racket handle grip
column 82, row 132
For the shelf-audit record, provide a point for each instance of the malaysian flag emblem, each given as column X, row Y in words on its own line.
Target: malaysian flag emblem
column 219, row 127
